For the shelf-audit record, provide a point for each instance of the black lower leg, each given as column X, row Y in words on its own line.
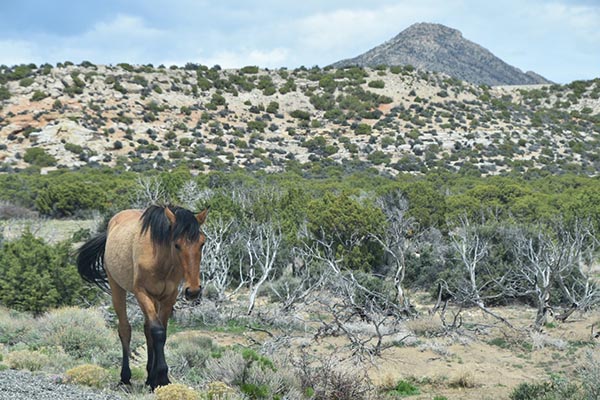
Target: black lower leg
column 125, row 370
column 158, row 375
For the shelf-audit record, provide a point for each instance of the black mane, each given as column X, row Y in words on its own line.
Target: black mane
column 186, row 225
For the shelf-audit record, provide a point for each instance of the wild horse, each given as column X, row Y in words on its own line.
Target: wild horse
column 149, row 254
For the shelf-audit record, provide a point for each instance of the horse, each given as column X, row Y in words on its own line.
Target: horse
column 148, row 253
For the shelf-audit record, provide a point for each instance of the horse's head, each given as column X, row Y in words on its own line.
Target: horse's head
column 187, row 244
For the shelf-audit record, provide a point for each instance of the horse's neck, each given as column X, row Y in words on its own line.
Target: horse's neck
column 165, row 260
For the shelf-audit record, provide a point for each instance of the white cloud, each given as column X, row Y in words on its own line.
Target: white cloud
column 17, row 52
column 557, row 38
column 345, row 32
column 235, row 59
column 122, row 27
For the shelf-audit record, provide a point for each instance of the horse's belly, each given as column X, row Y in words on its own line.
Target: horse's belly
column 118, row 256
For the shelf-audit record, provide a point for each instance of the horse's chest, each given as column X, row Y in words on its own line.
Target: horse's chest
column 163, row 281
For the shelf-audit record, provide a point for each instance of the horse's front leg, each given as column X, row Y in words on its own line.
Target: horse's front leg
column 156, row 336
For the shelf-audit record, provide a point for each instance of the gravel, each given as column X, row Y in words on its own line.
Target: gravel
column 21, row 385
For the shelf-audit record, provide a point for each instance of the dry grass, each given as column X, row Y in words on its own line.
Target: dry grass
column 27, row 360
column 425, row 326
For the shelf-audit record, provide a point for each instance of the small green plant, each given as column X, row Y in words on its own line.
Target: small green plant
column 254, row 391
column 405, row 388
column 88, row 375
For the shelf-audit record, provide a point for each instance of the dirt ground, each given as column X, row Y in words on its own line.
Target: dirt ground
column 483, row 359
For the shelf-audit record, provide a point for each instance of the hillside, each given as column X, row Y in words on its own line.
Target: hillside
column 394, row 119
column 435, row 47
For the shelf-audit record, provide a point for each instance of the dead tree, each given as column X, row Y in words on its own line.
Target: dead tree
column 472, row 247
column 190, row 195
column 556, row 255
column 578, row 247
column 350, row 303
column 262, row 246
column 479, row 285
column 218, row 260
column 149, row 190
column 397, row 241
column 297, row 287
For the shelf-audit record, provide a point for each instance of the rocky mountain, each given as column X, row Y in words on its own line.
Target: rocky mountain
column 435, row 47
column 395, row 119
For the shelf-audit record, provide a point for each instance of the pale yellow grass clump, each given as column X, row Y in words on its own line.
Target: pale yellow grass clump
column 88, row 375
column 425, row 327
column 219, row 391
column 464, row 379
column 176, row 391
column 27, row 359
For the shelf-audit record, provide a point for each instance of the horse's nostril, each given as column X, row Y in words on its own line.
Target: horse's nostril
column 192, row 294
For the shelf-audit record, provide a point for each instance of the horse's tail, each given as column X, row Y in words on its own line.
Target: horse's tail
column 90, row 261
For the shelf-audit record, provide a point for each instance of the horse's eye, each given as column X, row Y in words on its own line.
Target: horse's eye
column 177, row 246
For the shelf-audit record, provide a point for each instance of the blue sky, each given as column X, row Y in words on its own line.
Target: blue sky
column 559, row 39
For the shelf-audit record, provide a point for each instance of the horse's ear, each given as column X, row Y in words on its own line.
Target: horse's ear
column 201, row 217
column 170, row 216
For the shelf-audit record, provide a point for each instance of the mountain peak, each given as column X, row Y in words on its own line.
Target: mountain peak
column 438, row 48
column 428, row 28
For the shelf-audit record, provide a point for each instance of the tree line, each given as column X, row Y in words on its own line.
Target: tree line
column 478, row 242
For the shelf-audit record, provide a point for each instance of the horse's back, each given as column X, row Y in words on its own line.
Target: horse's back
column 123, row 236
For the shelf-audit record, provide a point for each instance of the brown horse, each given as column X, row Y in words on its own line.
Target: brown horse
column 148, row 254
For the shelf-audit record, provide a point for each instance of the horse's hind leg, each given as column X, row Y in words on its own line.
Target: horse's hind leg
column 119, row 299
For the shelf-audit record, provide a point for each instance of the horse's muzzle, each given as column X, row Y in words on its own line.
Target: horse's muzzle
column 192, row 294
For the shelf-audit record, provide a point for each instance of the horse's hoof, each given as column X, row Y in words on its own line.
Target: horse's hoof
column 125, row 386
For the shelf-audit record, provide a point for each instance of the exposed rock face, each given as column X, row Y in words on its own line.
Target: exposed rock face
column 435, row 47
column 392, row 119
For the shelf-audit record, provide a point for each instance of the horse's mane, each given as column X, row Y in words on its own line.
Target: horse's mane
column 186, row 224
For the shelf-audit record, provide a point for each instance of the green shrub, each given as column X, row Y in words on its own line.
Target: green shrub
column 273, row 107
column 27, row 359
column 82, row 333
column 39, row 95
column 257, row 126
column 38, row 156
column 250, row 69
column 377, row 84
column 363, row 129
column 68, row 197
column 555, row 389
column 190, row 351
column 405, row 388
column 15, row 326
column 300, row 114
column 88, row 375
column 35, row 276
column 73, row 148
column 4, row 93
column 25, row 82
column 249, row 371
column 339, row 219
